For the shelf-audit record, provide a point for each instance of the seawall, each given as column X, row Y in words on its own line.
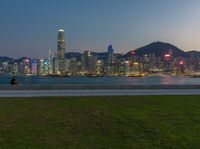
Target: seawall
column 93, row 86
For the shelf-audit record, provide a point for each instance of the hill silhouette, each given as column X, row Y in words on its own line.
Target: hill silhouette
column 159, row 49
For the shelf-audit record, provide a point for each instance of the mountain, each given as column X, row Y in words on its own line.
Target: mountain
column 194, row 53
column 101, row 55
column 21, row 59
column 5, row 58
column 73, row 54
column 159, row 49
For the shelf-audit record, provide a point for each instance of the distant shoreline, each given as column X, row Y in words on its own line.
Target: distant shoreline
column 93, row 86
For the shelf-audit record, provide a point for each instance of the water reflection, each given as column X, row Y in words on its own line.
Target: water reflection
column 168, row 80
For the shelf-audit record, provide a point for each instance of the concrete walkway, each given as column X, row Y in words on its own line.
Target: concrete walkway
column 97, row 92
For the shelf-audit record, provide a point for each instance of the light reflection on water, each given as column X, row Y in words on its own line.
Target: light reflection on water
column 150, row 80
column 167, row 80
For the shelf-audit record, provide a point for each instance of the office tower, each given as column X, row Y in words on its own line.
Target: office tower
column 21, row 68
column 110, row 56
column 34, row 67
column 26, row 63
column 50, row 64
column 46, row 66
column 61, row 52
column 89, row 63
column 127, row 67
column 41, row 67
column 99, row 67
column 73, row 66
column 5, row 67
column 134, row 63
column 43, row 70
column 146, row 63
column 110, row 61
column 168, row 62
column 15, row 68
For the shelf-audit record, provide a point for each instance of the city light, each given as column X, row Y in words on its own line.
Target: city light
column 132, row 52
column 27, row 60
column 136, row 63
column 106, row 63
column 181, row 62
column 61, row 30
column 167, row 55
column 127, row 62
column 99, row 61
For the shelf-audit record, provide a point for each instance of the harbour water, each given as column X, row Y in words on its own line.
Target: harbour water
column 148, row 80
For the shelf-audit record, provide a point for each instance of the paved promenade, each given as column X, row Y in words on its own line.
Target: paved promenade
column 97, row 92
column 93, row 86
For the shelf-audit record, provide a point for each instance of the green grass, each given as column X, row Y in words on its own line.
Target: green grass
column 100, row 122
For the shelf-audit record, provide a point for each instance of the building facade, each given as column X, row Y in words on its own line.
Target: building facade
column 60, row 52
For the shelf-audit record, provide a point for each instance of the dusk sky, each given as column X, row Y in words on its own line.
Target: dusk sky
column 29, row 27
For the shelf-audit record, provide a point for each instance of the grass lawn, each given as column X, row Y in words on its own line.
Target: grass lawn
column 100, row 122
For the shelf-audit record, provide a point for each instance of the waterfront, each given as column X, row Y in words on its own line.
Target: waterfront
column 149, row 80
column 97, row 92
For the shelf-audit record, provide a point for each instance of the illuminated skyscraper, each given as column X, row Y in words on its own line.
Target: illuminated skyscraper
column 15, row 68
column 44, row 67
column 34, row 67
column 61, row 52
column 89, row 63
column 110, row 57
column 50, row 64
column 168, row 62
column 26, row 63
column 110, row 60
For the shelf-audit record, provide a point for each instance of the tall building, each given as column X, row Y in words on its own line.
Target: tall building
column 50, row 59
column 15, row 68
column 89, row 63
column 34, row 67
column 73, row 66
column 61, row 52
column 44, row 67
column 110, row 61
column 5, row 67
column 168, row 62
column 110, row 55
column 26, row 63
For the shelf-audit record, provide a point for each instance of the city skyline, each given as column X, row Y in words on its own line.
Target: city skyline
column 157, row 58
column 30, row 28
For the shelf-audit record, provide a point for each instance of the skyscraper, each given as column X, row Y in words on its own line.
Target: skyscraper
column 110, row 60
column 110, row 57
column 89, row 63
column 50, row 59
column 61, row 52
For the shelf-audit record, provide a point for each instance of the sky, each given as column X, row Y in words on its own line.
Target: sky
column 29, row 27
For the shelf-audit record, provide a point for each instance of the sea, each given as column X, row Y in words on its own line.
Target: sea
column 147, row 80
